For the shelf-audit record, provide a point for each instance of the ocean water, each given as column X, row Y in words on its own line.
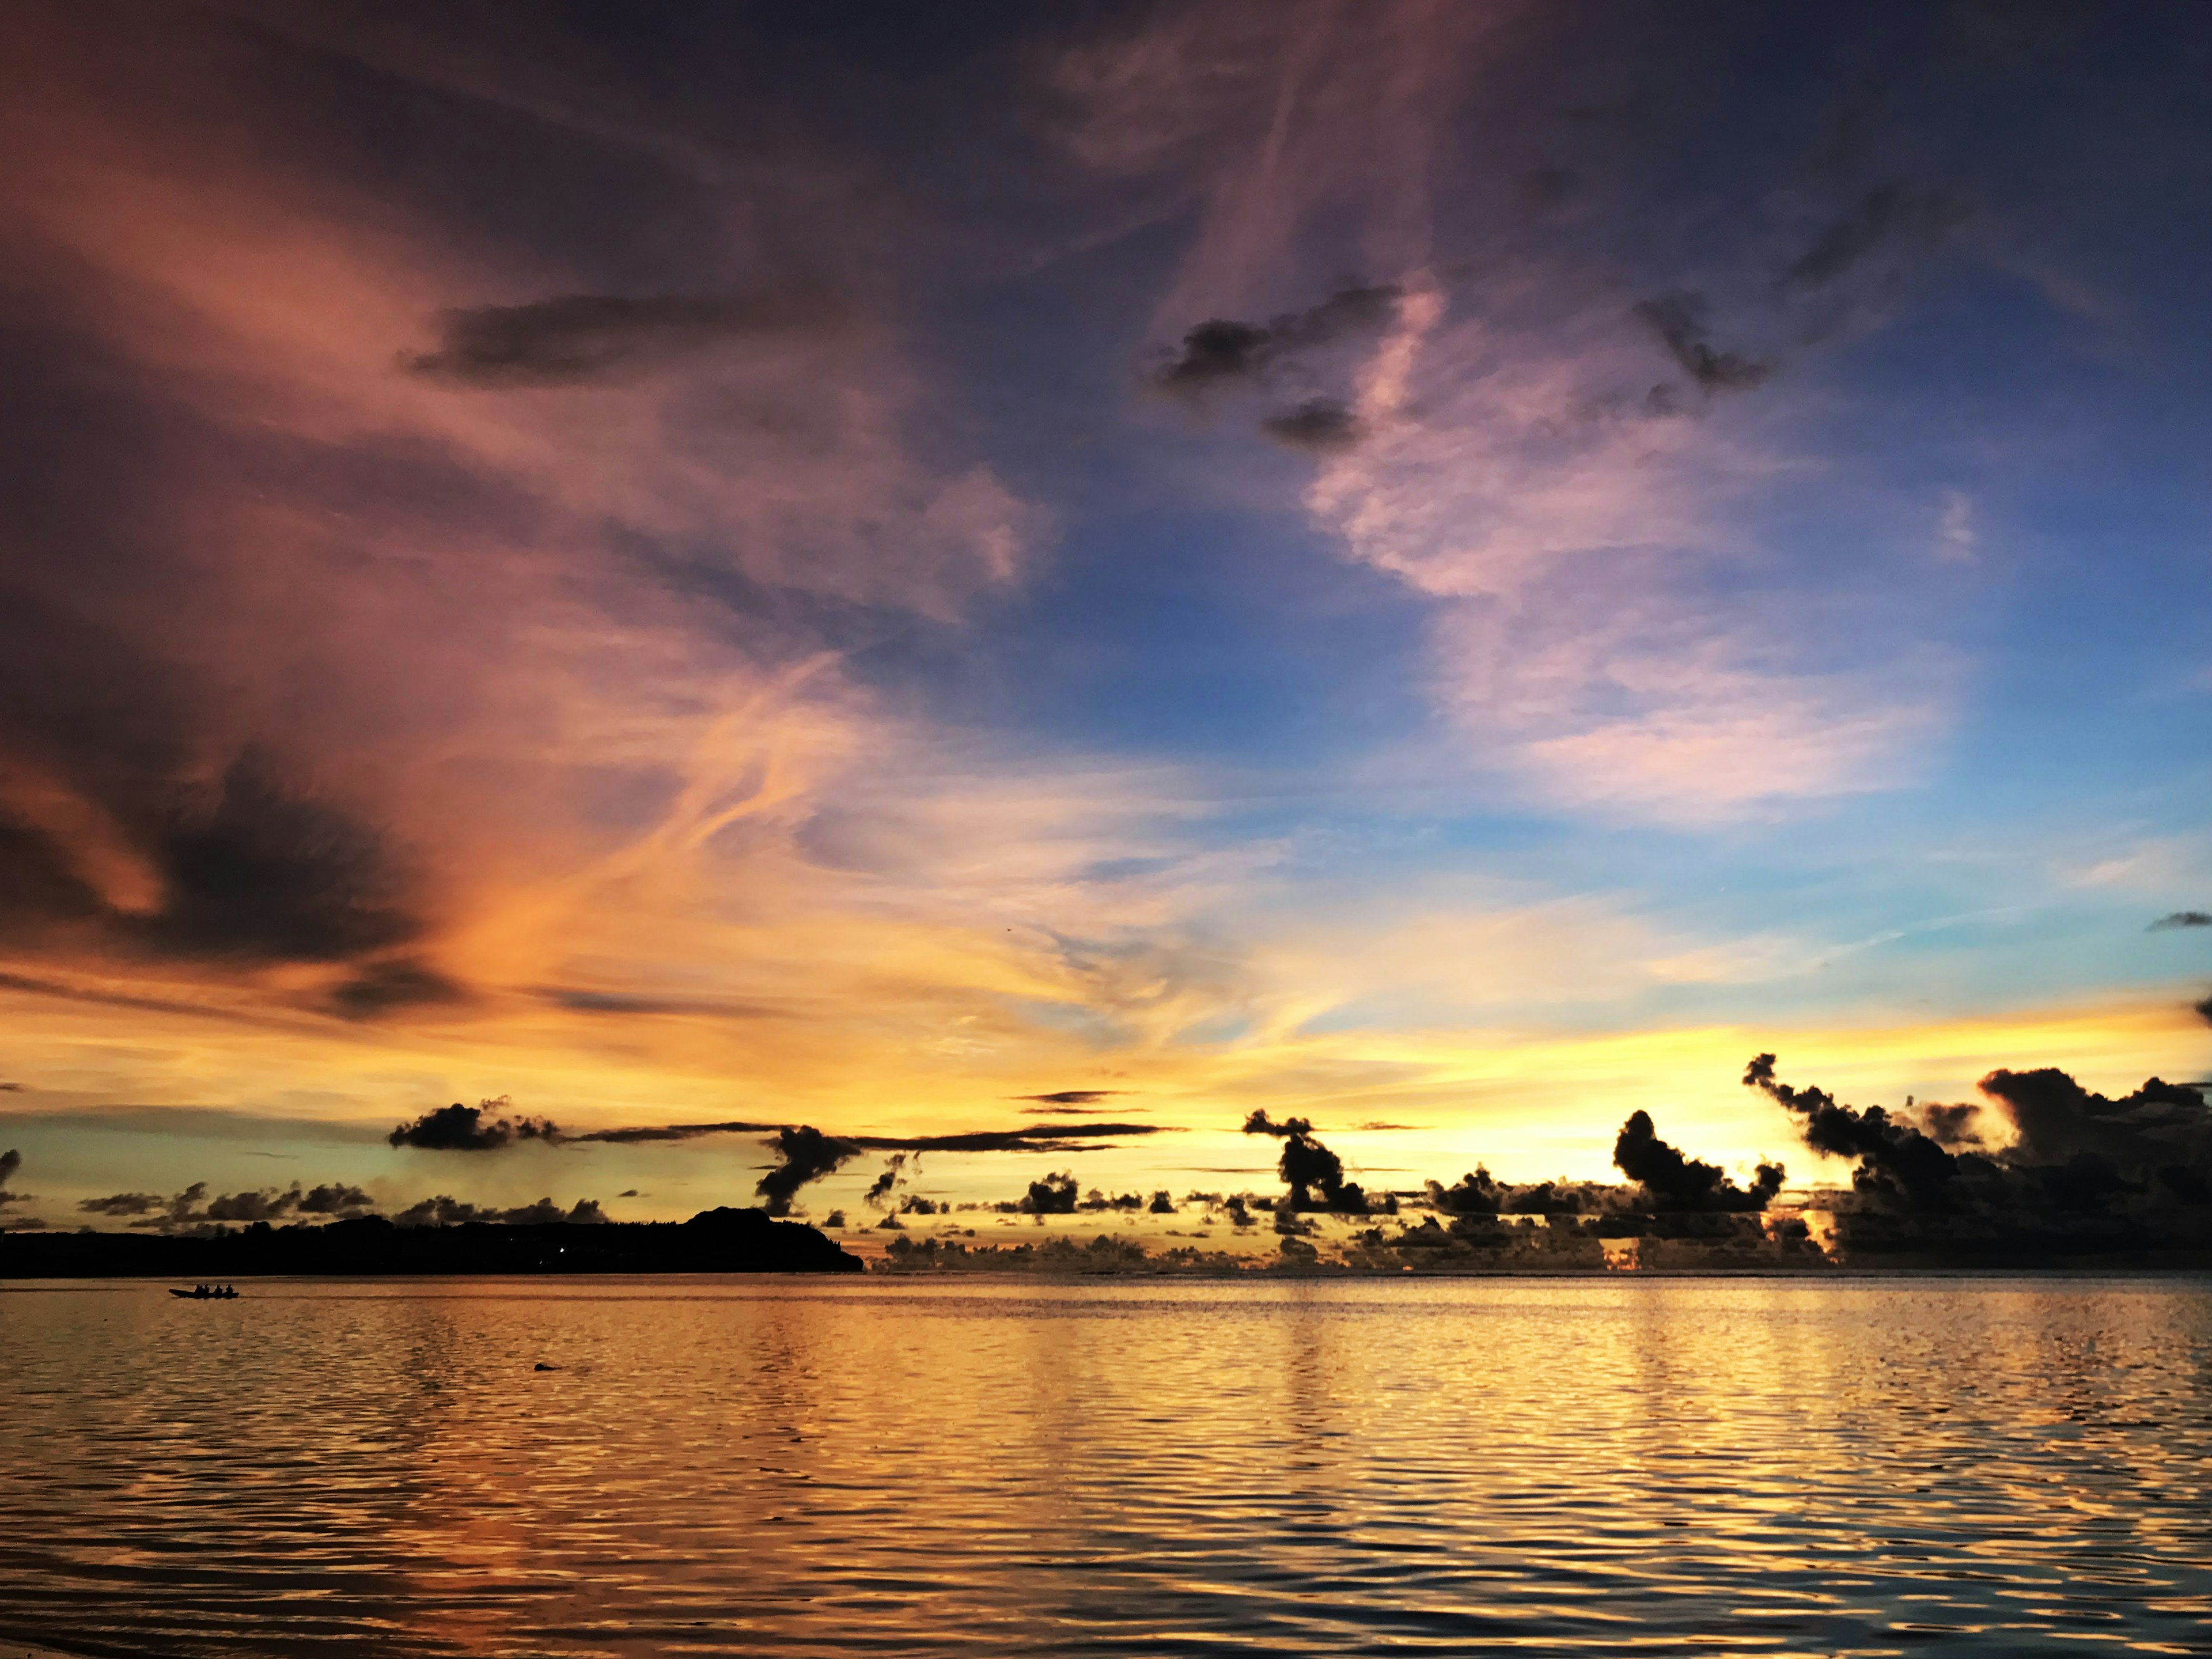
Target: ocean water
column 1610, row 1466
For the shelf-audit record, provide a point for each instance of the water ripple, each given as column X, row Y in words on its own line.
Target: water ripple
column 803, row 1467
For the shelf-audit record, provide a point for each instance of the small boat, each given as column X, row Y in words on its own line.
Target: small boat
column 209, row 1293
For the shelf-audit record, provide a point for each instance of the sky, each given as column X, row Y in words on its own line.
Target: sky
column 1455, row 570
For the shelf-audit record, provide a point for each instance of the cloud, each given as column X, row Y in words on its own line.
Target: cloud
column 808, row 1155
column 2142, row 1161
column 1887, row 214
column 1677, row 1182
column 1314, row 1174
column 1219, row 352
column 879, row 1189
column 1678, row 320
column 1056, row 1194
column 10, row 1161
column 265, row 1204
column 673, row 1131
column 444, row 1210
column 1895, row 1159
column 328, row 688
column 459, row 1128
column 193, row 1207
column 251, row 868
column 2180, row 919
column 2057, row 1119
column 578, row 338
column 1062, row 1099
column 1566, row 543
column 1317, row 426
column 382, row 988
column 122, row 1204
column 337, row 1198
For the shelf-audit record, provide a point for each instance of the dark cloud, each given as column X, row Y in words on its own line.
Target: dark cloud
column 1053, row 1195
column 1065, row 1100
column 879, row 1189
column 1319, row 426
column 1951, row 1127
column 1028, row 1137
column 386, row 987
column 11, row 1088
column 2057, row 1118
column 1895, row 1159
column 577, row 338
column 250, row 869
column 1220, row 352
column 2136, row 1171
column 1035, row 1137
column 1678, row 320
column 1476, row 1193
column 444, row 1210
column 808, row 1155
column 2180, row 919
column 1314, row 1174
column 122, row 1204
column 266, row 1205
column 266, row 874
column 1379, row 1127
column 10, row 1161
column 336, row 1199
column 459, row 1129
column 193, row 1208
column 675, row 1132
column 1162, row 1203
column 1676, row 1182
column 1888, row 213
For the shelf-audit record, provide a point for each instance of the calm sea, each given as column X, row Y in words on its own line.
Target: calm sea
column 1606, row 1466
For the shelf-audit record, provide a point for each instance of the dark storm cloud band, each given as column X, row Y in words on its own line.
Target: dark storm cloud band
column 576, row 338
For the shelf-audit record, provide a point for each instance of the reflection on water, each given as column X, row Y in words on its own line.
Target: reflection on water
column 813, row 1467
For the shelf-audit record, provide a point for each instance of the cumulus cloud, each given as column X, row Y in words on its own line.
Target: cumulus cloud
column 122, row 1204
column 444, row 1210
column 461, row 1129
column 1894, row 1158
column 194, row 1207
column 2143, row 1159
column 1314, row 1174
column 807, row 1155
column 1675, row 1181
column 1054, row 1194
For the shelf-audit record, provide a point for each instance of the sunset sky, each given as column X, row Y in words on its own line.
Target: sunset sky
column 1455, row 569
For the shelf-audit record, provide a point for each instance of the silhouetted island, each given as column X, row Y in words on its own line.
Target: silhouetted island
column 723, row 1241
